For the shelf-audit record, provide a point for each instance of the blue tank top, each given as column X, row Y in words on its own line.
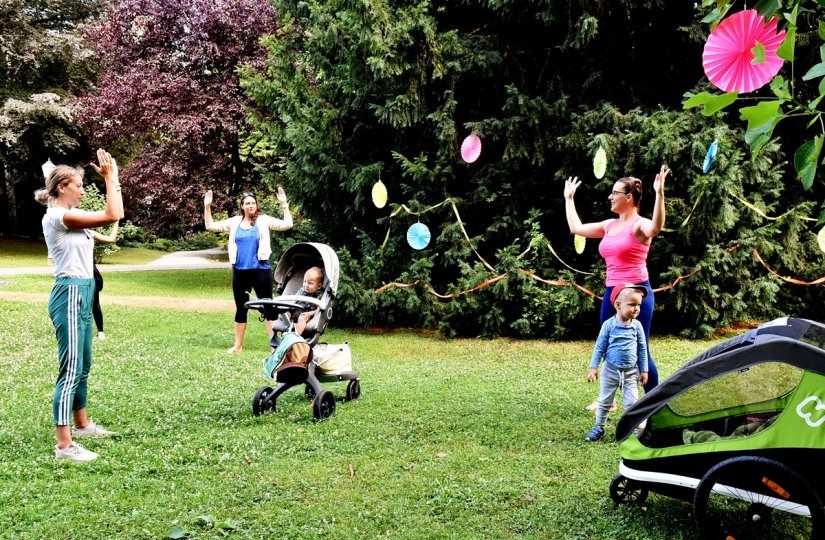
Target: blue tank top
column 247, row 241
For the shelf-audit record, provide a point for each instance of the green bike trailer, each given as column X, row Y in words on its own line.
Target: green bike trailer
column 739, row 431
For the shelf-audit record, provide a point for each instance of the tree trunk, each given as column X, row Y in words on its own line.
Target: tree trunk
column 8, row 204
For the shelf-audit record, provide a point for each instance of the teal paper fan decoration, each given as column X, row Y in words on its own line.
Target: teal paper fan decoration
column 710, row 157
column 418, row 236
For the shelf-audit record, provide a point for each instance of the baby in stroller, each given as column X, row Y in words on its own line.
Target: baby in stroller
column 307, row 277
column 313, row 288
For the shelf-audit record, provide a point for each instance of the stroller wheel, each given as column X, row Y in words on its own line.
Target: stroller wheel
column 623, row 490
column 353, row 389
column 261, row 404
column 756, row 497
column 323, row 406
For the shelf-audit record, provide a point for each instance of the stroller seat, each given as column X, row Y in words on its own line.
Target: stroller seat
column 289, row 276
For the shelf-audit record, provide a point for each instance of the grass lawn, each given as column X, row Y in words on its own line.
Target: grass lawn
column 164, row 284
column 450, row 439
column 16, row 252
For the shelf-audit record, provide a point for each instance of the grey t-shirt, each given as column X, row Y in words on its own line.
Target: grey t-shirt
column 71, row 249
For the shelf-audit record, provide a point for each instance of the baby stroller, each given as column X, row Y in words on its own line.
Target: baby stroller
column 297, row 360
column 739, row 431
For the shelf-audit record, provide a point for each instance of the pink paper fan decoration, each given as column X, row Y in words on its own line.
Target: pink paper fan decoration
column 727, row 56
column 471, row 148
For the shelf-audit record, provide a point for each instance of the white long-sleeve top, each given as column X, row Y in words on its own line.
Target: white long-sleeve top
column 265, row 224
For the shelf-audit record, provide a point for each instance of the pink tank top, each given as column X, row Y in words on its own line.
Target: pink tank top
column 625, row 256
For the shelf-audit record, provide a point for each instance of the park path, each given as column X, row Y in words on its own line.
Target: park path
column 180, row 260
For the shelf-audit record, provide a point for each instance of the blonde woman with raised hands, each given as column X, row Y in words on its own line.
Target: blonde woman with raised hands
column 66, row 229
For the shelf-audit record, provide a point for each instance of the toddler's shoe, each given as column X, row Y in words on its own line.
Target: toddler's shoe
column 101, row 336
column 595, row 434
column 92, row 431
column 74, row 452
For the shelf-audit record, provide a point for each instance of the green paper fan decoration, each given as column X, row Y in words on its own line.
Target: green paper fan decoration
column 820, row 239
column 578, row 243
column 600, row 163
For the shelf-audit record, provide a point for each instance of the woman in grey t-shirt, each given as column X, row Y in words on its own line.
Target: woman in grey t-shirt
column 70, row 243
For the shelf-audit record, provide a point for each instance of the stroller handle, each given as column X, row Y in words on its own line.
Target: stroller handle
column 288, row 302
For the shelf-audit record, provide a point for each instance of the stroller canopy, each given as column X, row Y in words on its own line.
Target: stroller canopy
column 795, row 342
column 300, row 257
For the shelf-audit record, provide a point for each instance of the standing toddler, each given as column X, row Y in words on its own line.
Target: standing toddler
column 621, row 343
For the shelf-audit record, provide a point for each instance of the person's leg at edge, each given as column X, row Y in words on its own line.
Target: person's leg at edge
column 630, row 387
column 97, row 313
column 608, row 383
column 645, row 317
column 609, row 380
column 263, row 289
column 241, row 285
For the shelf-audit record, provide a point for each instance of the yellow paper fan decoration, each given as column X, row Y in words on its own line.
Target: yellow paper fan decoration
column 379, row 194
column 820, row 239
column 600, row 163
column 578, row 243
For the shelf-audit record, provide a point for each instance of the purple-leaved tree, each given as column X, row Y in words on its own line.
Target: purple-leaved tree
column 169, row 104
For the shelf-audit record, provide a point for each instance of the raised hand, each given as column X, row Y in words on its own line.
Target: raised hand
column 659, row 182
column 281, row 195
column 570, row 187
column 207, row 198
column 107, row 167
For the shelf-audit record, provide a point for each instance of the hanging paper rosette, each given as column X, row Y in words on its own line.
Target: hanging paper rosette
column 418, row 236
column 471, row 148
column 710, row 156
column 379, row 194
column 600, row 163
column 820, row 239
column 729, row 52
column 578, row 243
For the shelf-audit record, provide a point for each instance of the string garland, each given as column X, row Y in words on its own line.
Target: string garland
column 560, row 283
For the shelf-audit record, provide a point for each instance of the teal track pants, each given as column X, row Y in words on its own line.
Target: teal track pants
column 70, row 308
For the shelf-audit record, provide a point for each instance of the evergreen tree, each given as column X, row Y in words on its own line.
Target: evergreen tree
column 354, row 92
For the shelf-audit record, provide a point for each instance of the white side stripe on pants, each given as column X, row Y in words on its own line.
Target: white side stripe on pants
column 65, row 407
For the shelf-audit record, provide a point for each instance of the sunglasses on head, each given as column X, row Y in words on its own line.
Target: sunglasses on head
column 247, row 194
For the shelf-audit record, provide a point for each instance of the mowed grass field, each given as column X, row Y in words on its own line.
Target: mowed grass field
column 450, row 439
column 461, row 438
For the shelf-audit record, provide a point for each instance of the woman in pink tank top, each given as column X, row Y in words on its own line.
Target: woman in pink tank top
column 625, row 242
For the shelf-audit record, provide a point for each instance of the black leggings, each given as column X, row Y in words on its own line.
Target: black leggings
column 244, row 281
column 97, row 313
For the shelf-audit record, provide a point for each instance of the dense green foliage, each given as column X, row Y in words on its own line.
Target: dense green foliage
column 794, row 97
column 356, row 92
column 43, row 63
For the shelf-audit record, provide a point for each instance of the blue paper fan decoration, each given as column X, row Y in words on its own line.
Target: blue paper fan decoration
column 710, row 157
column 418, row 236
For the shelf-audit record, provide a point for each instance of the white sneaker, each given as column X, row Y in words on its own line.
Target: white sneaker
column 101, row 336
column 74, row 452
column 92, row 431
